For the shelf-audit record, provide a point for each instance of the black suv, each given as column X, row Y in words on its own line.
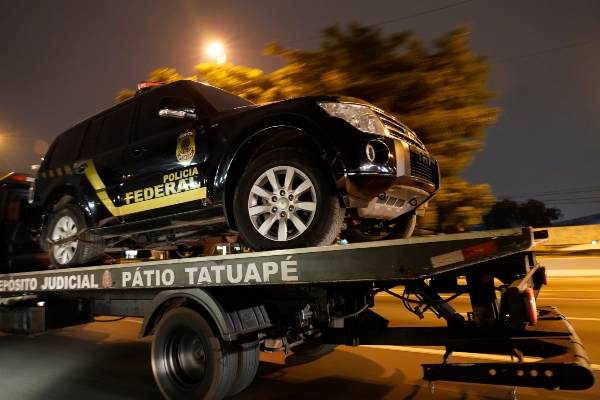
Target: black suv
column 183, row 161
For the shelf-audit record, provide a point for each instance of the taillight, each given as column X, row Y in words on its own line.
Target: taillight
column 19, row 178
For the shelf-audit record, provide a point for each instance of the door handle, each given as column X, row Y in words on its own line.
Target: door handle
column 138, row 151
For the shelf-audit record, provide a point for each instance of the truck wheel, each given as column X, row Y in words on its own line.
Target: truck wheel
column 188, row 360
column 68, row 222
column 284, row 200
column 313, row 348
column 399, row 228
column 248, row 358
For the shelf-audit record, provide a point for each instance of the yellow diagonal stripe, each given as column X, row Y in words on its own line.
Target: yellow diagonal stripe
column 96, row 182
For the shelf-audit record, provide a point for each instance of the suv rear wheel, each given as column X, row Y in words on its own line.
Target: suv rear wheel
column 284, row 200
column 67, row 223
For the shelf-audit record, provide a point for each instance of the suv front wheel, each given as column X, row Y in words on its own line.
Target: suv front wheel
column 284, row 200
column 65, row 223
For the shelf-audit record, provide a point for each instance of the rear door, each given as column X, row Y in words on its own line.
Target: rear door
column 101, row 158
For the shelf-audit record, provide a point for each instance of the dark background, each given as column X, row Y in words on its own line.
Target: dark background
column 61, row 62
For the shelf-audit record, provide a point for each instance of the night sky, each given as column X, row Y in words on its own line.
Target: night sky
column 62, row 61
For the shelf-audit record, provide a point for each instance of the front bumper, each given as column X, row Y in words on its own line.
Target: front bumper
column 406, row 180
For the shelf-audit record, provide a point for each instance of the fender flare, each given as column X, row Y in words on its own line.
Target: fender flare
column 231, row 325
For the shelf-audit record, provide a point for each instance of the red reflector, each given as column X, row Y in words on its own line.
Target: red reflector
column 479, row 250
column 545, row 275
column 529, row 306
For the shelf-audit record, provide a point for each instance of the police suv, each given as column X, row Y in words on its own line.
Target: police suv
column 184, row 161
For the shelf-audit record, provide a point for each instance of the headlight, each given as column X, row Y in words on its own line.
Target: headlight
column 361, row 117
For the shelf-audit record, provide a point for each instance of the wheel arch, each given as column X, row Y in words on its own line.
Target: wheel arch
column 231, row 325
column 60, row 197
column 283, row 131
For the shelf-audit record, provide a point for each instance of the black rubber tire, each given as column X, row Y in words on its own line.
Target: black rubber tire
column 399, row 228
column 188, row 360
column 248, row 359
column 74, row 253
column 327, row 217
column 313, row 348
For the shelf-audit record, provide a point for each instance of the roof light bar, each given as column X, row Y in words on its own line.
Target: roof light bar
column 146, row 84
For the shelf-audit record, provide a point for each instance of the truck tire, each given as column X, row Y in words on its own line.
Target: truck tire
column 314, row 349
column 399, row 228
column 248, row 358
column 285, row 200
column 188, row 360
column 68, row 222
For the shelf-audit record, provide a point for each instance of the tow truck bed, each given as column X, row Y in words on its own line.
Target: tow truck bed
column 286, row 299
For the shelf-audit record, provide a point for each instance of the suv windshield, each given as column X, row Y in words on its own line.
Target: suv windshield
column 221, row 99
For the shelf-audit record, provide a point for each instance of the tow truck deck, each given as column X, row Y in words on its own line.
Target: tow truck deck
column 309, row 300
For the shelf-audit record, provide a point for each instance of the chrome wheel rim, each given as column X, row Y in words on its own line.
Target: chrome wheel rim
column 66, row 227
column 282, row 203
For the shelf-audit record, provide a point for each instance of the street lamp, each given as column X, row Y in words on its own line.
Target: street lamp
column 216, row 51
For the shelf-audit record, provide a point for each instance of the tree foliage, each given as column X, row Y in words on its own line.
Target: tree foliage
column 440, row 93
column 535, row 213
column 508, row 213
column 502, row 215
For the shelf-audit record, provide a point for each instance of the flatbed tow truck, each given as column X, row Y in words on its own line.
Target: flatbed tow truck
column 211, row 316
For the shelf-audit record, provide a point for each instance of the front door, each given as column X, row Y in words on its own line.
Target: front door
column 164, row 163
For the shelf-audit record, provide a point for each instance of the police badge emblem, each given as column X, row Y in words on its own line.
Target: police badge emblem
column 186, row 147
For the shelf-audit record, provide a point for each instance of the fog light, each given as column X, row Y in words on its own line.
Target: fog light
column 377, row 152
column 370, row 152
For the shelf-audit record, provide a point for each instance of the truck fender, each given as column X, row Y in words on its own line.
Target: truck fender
column 231, row 324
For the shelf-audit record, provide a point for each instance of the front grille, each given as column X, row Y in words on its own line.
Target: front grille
column 399, row 131
column 422, row 167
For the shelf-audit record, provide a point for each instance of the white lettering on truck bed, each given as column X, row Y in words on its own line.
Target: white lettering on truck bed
column 237, row 273
column 252, row 272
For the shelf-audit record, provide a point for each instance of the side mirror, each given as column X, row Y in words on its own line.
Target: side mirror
column 177, row 107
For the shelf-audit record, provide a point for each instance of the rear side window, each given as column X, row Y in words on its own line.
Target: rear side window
column 115, row 129
column 91, row 139
column 66, row 150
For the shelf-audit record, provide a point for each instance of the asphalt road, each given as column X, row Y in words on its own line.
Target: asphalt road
column 105, row 360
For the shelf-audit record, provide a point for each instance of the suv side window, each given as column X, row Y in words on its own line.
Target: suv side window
column 91, row 139
column 115, row 129
column 149, row 122
column 66, row 150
